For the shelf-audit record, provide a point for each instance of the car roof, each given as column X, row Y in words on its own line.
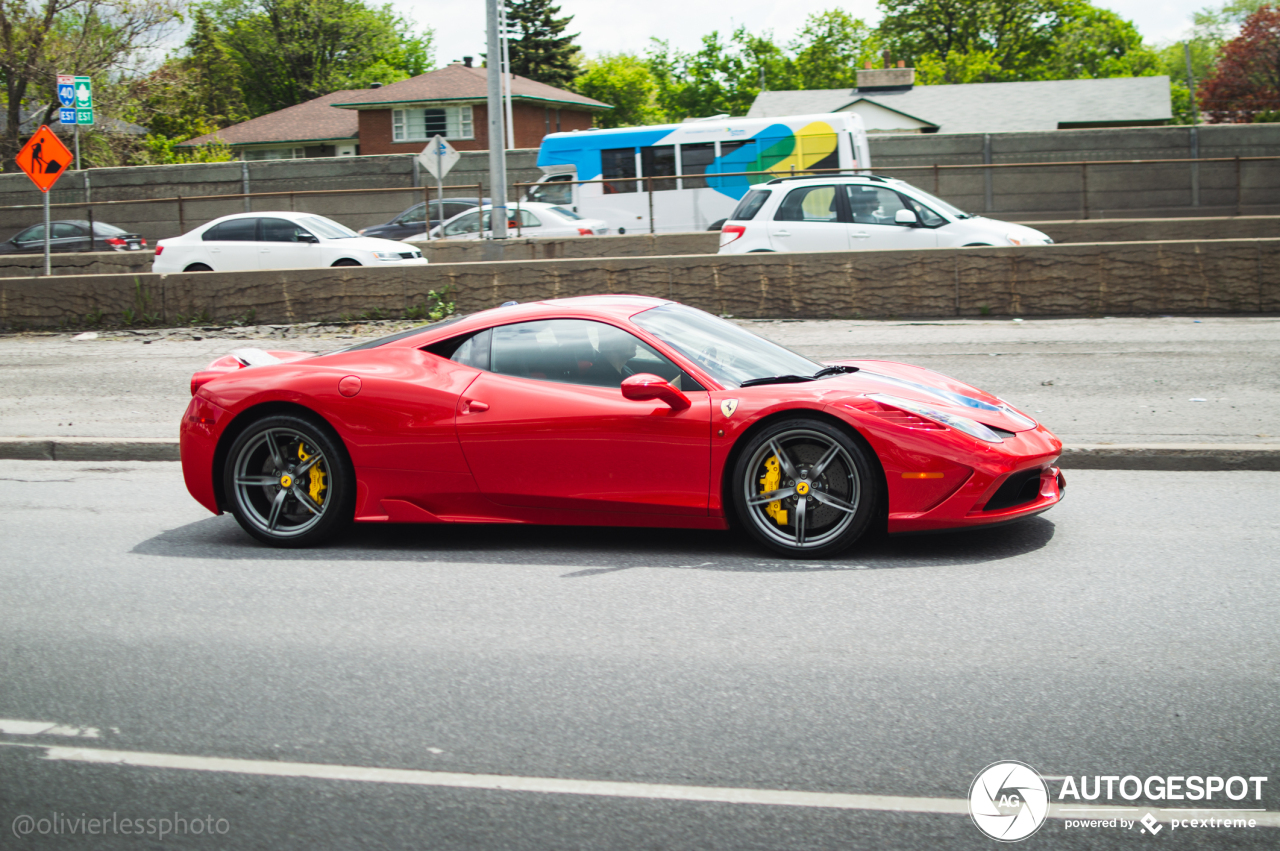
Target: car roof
column 616, row 307
column 836, row 178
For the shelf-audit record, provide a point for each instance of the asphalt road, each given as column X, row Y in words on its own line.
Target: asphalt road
column 1106, row 380
column 1134, row 630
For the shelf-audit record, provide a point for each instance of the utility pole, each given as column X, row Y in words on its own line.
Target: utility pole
column 497, row 134
column 1191, row 83
column 507, row 79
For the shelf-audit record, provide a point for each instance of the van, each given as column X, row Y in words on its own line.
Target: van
column 696, row 150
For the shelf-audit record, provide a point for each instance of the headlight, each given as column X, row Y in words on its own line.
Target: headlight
column 964, row 424
column 386, row 255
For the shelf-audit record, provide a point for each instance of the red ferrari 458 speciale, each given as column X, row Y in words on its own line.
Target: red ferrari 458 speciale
column 605, row 410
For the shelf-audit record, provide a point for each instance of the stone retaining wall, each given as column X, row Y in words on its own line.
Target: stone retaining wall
column 1196, row 277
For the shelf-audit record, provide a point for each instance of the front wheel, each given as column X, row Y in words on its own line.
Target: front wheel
column 289, row 481
column 805, row 488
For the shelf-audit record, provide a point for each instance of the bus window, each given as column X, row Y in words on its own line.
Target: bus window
column 736, row 157
column 658, row 161
column 694, row 159
column 618, row 162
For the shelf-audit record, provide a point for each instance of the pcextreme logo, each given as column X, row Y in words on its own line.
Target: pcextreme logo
column 1008, row 801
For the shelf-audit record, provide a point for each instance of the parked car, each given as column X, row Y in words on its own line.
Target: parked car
column 534, row 219
column 277, row 240
column 605, row 410
column 859, row 212
column 412, row 222
column 73, row 235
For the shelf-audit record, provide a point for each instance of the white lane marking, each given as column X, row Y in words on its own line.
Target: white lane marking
column 16, row 727
column 561, row 786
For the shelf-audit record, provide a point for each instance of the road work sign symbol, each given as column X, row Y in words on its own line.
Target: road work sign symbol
column 44, row 158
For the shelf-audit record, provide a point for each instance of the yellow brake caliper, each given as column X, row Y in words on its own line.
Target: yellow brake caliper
column 317, row 477
column 771, row 481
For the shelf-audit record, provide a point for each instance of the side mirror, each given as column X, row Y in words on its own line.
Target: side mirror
column 308, row 237
column 646, row 387
column 906, row 217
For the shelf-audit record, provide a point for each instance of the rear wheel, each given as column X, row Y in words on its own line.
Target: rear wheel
column 805, row 488
column 198, row 267
column 289, row 481
column 346, row 261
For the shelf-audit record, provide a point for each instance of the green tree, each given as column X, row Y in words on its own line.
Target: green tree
column 1093, row 43
column 296, row 50
column 830, row 49
column 624, row 81
column 539, row 47
column 42, row 38
column 975, row 40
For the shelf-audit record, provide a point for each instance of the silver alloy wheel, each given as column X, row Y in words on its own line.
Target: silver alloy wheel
column 281, row 482
column 808, row 496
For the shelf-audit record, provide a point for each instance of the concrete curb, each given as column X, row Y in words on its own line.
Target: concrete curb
column 1095, row 456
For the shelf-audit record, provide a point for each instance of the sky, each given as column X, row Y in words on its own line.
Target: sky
column 626, row 27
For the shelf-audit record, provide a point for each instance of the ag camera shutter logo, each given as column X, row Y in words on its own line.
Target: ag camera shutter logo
column 1008, row 801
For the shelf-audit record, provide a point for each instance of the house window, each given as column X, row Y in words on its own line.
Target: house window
column 419, row 125
column 274, row 153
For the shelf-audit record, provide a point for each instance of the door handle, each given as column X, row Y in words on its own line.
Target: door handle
column 471, row 406
column 860, row 234
column 782, row 233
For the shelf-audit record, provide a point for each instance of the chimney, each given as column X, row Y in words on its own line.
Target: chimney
column 466, row 60
column 898, row 79
column 375, row 85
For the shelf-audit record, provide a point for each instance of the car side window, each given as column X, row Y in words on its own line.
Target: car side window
column 874, row 205
column 66, row 230
column 235, row 230
column 470, row 223
column 529, row 220
column 809, row 204
column 283, row 230
column 416, row 215
column 474, row 352
column 451, row 210
column 579, row 351
column 928, row 217
column 30, row 234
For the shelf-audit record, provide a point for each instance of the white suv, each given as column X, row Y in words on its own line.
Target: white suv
column 865, row 212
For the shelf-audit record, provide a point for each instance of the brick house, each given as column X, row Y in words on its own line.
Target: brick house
column 401, row 117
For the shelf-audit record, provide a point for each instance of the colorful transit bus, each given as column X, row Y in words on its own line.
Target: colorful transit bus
column 697, row 150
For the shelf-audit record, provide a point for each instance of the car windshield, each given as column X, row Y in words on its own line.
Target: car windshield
column 937, row 203
column 728, row 353
column 567, row 213
column 327, row 228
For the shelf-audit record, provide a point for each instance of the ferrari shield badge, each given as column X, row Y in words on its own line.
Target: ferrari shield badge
column 728, row 406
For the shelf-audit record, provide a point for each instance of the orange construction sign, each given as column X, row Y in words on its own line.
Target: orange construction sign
column 44, row 158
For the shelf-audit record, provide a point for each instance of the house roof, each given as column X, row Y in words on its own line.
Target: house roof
column 313, row 121
column 462, row 83
column 995, row 107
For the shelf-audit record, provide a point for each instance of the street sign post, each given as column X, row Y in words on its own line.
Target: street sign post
column 44, row 159
column 438, row 157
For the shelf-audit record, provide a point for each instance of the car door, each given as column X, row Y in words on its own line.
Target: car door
column 232, row 246
column 286, row 245
column 810, row 218
column 546, row 425
column 873, row 211
column 65, row 236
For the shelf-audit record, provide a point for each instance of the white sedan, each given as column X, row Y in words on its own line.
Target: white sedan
column 532, row 219
column 857, row 212
column 277, row 240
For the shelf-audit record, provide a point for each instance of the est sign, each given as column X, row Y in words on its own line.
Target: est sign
column 84, row 100
column 438, row 157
